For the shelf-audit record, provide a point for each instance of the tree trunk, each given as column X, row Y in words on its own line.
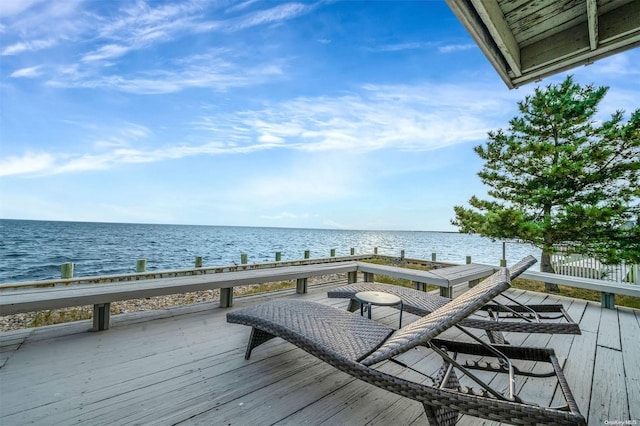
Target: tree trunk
column 546, row 266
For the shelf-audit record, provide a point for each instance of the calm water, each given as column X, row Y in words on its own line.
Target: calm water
column 34, row 250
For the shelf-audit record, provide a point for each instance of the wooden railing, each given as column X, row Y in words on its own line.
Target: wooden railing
column 29, row 297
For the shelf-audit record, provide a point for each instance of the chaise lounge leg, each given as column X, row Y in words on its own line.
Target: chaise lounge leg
column 496, row 337
column 442, row 416
column 257, row 338
column 353, row 305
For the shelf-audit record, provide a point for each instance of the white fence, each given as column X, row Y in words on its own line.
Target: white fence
column 576, row 265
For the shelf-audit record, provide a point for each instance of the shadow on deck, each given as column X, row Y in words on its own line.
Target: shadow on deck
column 186, row 365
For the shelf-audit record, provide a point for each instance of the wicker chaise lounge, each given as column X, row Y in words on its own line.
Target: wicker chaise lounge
column 359, row 347
column 495, row 318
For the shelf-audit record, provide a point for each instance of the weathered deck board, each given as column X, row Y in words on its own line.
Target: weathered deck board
column 185, row 365
column 609, row 400
column 630, row 340
column 608, row 321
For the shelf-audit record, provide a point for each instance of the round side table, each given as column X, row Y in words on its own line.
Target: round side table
column 378, row 298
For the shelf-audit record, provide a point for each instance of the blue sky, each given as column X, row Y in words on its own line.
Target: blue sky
column 354, row 115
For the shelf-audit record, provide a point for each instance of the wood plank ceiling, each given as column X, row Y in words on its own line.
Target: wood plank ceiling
column 526, row 40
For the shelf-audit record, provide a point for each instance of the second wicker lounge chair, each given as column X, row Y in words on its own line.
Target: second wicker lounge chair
column 495, row 318
column 359, row 347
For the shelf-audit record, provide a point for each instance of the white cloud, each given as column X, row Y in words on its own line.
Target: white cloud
column 106, row 52
column 215, row 70
column 402, row 46
column 403, row 118
column 27, row 46
column 275, row 14
column 27, row 164
column 412, row 118
column 267, row 138
column 11, row 8
column 30, row 72
column 456, row 48
column 241, row 6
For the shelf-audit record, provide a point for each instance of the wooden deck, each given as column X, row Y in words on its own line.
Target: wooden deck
column 186, row 366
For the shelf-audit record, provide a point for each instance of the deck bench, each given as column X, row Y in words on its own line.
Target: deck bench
column 607, row 289
column 41, row 297
column 29, row 299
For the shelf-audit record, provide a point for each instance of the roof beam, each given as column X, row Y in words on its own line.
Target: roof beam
column 471, row 21
column 491, row 14
column 592, row 19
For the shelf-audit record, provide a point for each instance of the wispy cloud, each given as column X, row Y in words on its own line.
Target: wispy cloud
column 406, row 118
column 106, row 40
column 109, row 51
column 622, row 64
column 397, row 47
column 456, row 47
column 30, row 72
column 412, row 118
column 219, row 70
column 15, row 7
column 141, row 25
column 27, row 46
column 277, row 14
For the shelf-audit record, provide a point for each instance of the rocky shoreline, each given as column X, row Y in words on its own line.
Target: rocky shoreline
column 56, row 316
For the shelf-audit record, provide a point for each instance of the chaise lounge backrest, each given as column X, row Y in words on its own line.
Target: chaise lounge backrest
column 430, row 326
column 521, row 266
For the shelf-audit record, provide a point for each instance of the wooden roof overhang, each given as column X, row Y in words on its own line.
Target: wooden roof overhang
column 526, row 40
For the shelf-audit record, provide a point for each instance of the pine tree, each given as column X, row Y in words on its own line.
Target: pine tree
column 558, row 177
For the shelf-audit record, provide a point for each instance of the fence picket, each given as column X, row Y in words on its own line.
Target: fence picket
column 576, row 265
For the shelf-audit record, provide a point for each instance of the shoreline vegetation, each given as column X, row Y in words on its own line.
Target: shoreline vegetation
column 58, row 316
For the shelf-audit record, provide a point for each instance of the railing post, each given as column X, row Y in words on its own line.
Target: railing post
column 446, row 292
column 141, row 265
column 608, row 300
column 66, row 270
column 226, row 297
column 301, row 285
column 472, row 283
column 101, row 314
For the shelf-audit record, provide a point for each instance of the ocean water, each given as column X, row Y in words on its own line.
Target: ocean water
column 35, row 250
